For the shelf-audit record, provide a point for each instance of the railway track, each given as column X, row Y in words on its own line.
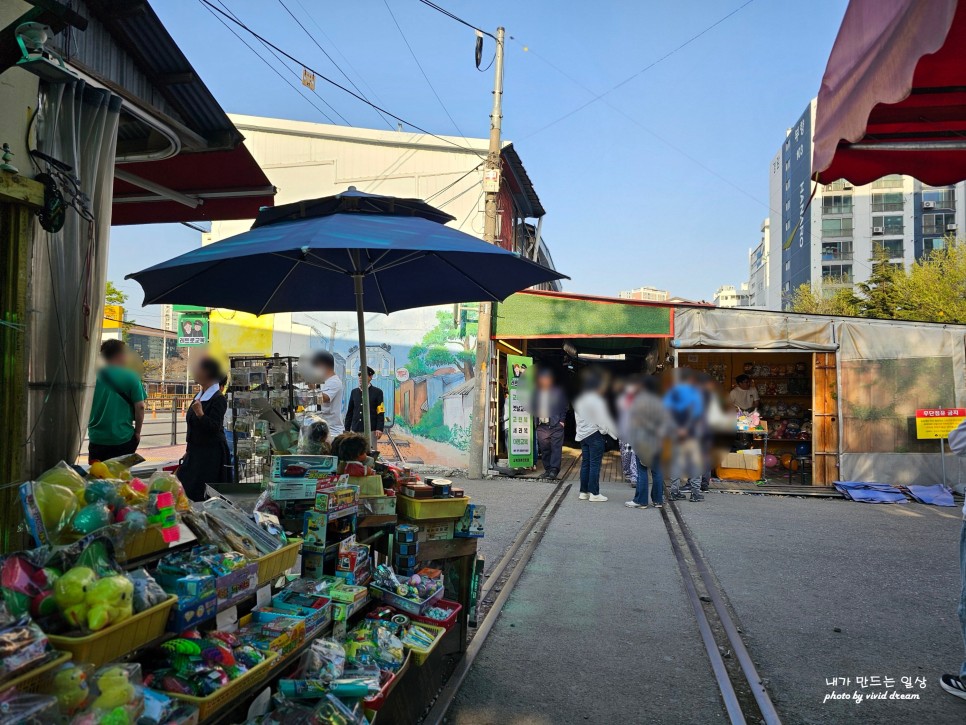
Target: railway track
column 743, row 693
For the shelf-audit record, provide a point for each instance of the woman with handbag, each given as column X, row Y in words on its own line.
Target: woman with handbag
column 207, row 458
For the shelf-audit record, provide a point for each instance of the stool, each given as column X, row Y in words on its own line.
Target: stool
column 803, row 462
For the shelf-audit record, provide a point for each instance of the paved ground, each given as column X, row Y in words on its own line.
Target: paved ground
column 593, row 632
column 886, row 576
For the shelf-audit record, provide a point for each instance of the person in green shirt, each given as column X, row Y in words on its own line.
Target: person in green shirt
column 117, row 413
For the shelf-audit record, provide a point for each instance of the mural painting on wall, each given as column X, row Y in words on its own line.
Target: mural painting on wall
column 423, row 361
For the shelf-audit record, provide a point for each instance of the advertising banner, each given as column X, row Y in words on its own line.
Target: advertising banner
column 520, row 435
column 192, row 330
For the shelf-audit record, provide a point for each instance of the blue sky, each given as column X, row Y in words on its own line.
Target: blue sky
column 629, row 202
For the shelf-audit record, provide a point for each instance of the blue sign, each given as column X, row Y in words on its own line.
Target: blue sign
column 796, row 217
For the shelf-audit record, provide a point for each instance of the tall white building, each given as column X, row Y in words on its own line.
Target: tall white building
column 649, row 294
column 728, row 295
column 826, row 237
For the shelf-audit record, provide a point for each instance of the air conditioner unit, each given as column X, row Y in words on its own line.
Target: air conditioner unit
column 878, row 230
column 952, row 227
column 929, row 205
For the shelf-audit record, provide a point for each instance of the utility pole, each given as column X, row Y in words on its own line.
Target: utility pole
column 478, row 459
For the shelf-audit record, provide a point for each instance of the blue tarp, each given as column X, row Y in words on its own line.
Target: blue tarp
column 870, row 492
column 937, row 494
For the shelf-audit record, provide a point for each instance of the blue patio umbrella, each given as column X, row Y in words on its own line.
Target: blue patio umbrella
column 352, row 251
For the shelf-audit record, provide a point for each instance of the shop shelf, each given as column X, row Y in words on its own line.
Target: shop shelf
column 117, row 640
column 234, row 690
column 39, row 679
column 447, row 623
column 271, row 566
column 417, row 509
column 420, row 654
column 374, row 704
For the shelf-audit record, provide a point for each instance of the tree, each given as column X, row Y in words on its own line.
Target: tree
column 436, row 348
column 881, row 297
column 114, row 296
column 934, row 290
column 843, row 302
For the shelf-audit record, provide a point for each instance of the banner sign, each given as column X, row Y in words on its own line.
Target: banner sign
column 938, row 422
column 520, row 435
column 192, row 330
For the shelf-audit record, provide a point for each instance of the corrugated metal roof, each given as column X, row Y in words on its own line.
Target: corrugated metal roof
column 520, row 175
column 146, row 61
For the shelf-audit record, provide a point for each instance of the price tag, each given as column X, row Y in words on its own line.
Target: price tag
column 227, row 621
column 263, row 597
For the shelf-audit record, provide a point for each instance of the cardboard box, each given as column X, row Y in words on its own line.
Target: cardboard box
column 282, row 634
column 746, row 461
column 379, row 505
column 333, row 499
column 472, row 523
column 197, row 601
column 313, row 529
column 435, row 530
column 316, row 612
column 293, row 490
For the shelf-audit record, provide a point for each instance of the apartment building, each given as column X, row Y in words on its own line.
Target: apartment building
column 649, row 294
column 728, row 295
column 827, row 236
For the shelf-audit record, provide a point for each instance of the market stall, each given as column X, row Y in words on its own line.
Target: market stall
column 343, row 596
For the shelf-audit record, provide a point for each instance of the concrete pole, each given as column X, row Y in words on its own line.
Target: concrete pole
column 479, row 457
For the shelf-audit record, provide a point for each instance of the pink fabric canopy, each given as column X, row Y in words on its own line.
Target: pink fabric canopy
column 893, row 97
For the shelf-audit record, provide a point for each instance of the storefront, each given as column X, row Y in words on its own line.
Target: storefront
column 841, row 392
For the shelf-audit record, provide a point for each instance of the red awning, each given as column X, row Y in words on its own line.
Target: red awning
column 893, row 97
column 215, row 184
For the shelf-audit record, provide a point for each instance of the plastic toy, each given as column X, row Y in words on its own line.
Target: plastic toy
column 91, row 518
column 57, row 505
column 64, row 475
column 99, row 469
column 109, row 600
column 70, row 593
column 114, row 688
column 71, row 688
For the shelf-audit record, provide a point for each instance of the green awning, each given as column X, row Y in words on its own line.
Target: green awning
column 528, row 315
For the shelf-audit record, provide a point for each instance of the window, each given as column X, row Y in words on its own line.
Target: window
column 837, row 275
column 942, row 198
column 893, row 247
column 891, row 201
column 937, row 223
column 837, row 204
column 834, row 251
column 838, row 185
column 893, row 181
column 889, row 224
column 837, row 227
column 932, row 245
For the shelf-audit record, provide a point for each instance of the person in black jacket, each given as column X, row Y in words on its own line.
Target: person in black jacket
column 207, row 458
column 377, row 410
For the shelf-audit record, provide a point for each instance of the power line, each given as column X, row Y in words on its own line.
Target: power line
column 450, row 186
column 447, row 13
column 271, row 67
column 643, row 70
column 337, row 84
column 421, row 70
column 331, row 59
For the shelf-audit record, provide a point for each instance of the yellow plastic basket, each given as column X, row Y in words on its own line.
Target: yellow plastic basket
column 39, row 679
column 431, row 508
column 117, row 640
column 421, row 654
column 141, row 543
column 271, row 566
column 208, row 706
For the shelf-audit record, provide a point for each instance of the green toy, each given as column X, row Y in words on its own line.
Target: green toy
column 109, row 600
column 92, row 517
column 70, row 592
column 71, row 688
column 114, row 688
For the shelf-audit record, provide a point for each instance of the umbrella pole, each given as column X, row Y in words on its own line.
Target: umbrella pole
column 363, row 362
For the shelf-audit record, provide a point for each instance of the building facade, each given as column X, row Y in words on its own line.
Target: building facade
column 729, row 295
column 828, row 236
column 648, row 294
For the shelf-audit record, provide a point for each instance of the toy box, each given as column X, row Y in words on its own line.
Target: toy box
column 379, row 505
column 471, row 525
column 282, row 634
column 313, row 563
column 287, row 468
column 333, row 499
column 237, row 585
column 313, row 529
column 347, row 593
column 434, row 530
column 315, row 617
column 293, row 490
column 197, row 601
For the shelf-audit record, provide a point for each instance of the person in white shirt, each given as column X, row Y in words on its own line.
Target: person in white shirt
column 594, row 421
column 956, row 684
column 744, row 396
column 330, row 393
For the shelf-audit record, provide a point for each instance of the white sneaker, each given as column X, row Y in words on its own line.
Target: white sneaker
column 632, row 505
column 584, row 496
column 597, row 497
